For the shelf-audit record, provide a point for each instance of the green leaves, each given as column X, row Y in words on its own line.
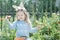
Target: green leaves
column 50, row 30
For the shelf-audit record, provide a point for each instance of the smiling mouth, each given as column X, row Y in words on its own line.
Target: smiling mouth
column 20, row 18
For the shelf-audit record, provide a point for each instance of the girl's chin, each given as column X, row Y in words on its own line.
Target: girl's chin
column 20, row 19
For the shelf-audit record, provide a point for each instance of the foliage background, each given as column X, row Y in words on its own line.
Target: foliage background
column 44, row 13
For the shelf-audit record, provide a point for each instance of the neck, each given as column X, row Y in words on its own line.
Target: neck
column 20, row 20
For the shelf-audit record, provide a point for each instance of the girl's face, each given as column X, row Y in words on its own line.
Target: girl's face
column 20, row 15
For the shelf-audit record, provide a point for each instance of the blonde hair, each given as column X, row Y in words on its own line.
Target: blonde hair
column 26, row 16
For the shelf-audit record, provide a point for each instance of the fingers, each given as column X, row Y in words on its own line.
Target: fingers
column 8, row 17
column 39, row 27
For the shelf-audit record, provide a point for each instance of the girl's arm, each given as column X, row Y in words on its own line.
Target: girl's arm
column 11, row 25
column 32, row 30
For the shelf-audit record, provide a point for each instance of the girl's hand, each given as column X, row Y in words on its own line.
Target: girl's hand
column 8, row 17
column 38, row 27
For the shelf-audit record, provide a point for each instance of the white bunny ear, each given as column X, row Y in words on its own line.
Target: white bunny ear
column 21, row 6
column 15, row 7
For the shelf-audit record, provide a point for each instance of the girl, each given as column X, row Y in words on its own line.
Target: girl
column 22, row 25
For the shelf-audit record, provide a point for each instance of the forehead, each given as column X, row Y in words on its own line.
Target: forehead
column 20, row 12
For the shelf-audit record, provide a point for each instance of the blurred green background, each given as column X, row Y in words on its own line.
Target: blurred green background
column 45, row 13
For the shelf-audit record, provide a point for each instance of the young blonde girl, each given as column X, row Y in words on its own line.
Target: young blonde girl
column 22, row 24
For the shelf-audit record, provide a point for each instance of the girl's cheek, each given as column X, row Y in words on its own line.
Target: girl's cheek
column 18, row 17
column 23, row 17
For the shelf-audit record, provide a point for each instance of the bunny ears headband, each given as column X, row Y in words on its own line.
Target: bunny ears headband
column 20, row 7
